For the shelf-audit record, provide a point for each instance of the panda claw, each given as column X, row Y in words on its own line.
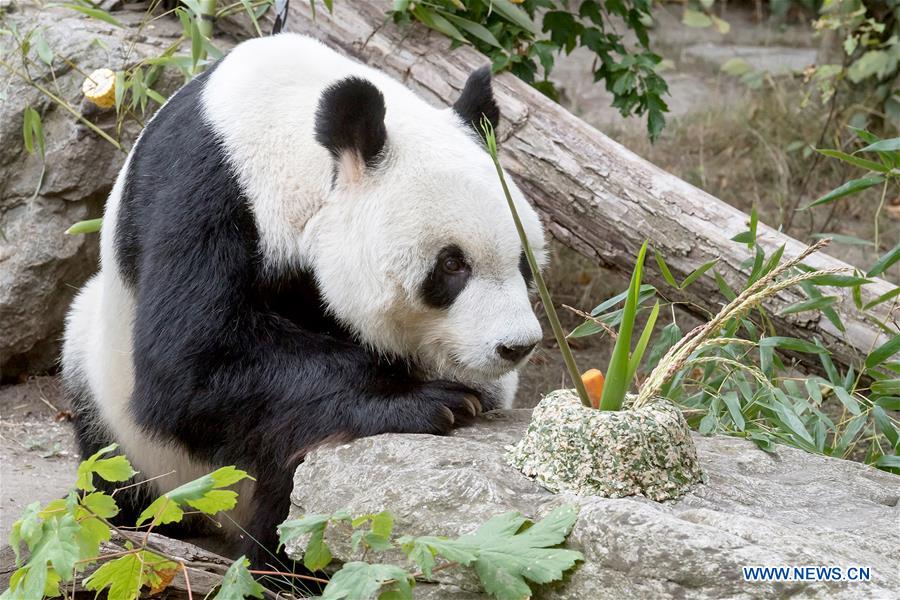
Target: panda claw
column 449, row 415
column 472, row 404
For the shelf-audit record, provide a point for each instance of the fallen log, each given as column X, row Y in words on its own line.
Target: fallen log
column 594, row 194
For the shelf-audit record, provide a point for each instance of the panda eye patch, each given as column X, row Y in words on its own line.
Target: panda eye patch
column 447, row 279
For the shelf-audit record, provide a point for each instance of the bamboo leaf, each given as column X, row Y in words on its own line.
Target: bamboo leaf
column 635, row 361
column 810, row 304
column 855, row 160
column 94, row 13
column 850, row 187
column 885, row 262
column 887, row 350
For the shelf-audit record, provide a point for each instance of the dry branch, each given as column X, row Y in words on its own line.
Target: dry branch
column 594, row 195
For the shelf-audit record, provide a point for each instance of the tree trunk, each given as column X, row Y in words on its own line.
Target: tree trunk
column 594, row 195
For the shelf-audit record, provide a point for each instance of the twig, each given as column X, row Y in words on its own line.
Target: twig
column 187, row 581
column 609, row 330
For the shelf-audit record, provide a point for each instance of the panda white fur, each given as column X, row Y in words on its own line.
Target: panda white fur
column 298, row 249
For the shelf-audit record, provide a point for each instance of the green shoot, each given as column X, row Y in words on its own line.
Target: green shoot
column 619, row 372
column 574, row 374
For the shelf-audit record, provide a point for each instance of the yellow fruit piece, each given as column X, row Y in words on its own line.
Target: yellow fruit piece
column 593, row 382
column 100, row 88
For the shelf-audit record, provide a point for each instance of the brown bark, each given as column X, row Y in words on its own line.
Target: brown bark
column 594, row 195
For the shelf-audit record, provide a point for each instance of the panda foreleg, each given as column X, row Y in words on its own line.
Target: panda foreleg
column 273, row 395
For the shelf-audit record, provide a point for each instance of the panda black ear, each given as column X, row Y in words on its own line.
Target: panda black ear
column 350, row 122
column 477, row 101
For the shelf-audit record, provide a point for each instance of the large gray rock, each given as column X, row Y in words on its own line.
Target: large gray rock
column 786, row 508
column 41, row 268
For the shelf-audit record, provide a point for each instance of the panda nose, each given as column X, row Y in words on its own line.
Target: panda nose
column 514, row 353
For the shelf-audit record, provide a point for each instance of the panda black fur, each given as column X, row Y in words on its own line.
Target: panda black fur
column 297, row 250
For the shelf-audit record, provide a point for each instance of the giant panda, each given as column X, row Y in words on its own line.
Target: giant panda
column 298, row 250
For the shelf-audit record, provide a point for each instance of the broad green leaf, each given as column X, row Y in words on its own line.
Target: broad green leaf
column 124, row 577
column 113, row 469
column 871, row 165
column 94, row 13
column 850, row 187
column 238, row 583
column 100, row 504
column 736, row 67
column 885, row 262
column 505, row 553
column 362, row 581
column 27, row 529
column 890, row 348
column 202, row 494
column 89, row 226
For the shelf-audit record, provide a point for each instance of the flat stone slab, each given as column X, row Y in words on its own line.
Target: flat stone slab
column 757, row 509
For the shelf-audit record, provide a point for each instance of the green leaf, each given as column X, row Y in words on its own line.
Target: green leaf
column 202, row 494
column 889, row 463
column 847, row 400
column 617, row 382
column 27, row 529
column 835, row 280
column 886, row 387
column 697, row 273
column 886, row 426
column 94, row 13
column 238, row 583
column 113, row 469
column 885, row 262
column 635, row 360
column 43, row 50
column 871, row 165
column 505, row 552
column 889, row 295
column 514, row 15
column 891, row 145
column 664, row 269
column 431, row 19
column 850, row 187
column 125, row 576
column 889, row 402
column 89, row 226
column 669, row 335
column 100, row 504
column 362, row 581
column 476, row 30
column 838, row 238
column 887, row 350
column 791, row 344
column 734, row 409
column 810, row 304
column 749, row 237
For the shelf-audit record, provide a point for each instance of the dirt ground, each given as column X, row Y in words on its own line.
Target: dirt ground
column 38, row 456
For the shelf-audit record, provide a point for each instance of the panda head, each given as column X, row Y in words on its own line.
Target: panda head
column 415, row 249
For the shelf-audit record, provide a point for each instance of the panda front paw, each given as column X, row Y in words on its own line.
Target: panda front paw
column 448, row 404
